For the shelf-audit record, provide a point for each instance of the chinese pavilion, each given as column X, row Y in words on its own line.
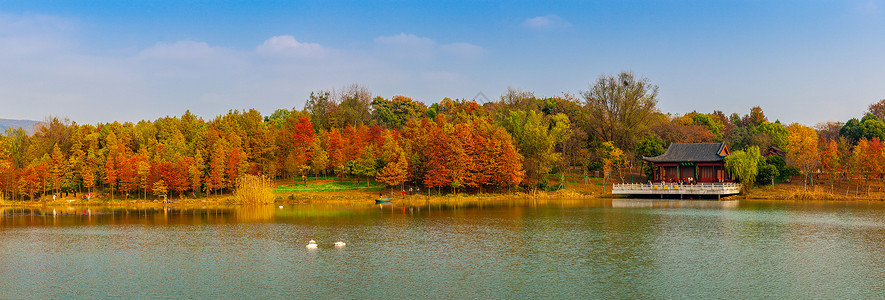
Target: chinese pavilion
column 691, row 162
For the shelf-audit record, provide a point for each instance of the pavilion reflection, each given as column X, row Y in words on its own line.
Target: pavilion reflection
column 650, row 203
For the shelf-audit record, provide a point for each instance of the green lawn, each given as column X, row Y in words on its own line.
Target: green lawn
column 334, row 186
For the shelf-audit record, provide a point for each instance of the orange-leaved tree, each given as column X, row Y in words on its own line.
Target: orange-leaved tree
column 437, row 172
column 110, row 166
column 319, row 158
column 302, row 139
column 335, row 151
column 57, row 168
column 215, row 180
column 802, row 149
column 829, row 160
column 396, row 171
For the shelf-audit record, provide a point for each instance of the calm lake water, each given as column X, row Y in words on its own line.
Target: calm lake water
column 507, row 249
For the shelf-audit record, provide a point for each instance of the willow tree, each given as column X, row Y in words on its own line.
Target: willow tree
column 619, row 108
column 744, row 164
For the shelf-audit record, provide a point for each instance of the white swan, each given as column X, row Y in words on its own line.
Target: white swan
column 312, row 244
column 340, row 244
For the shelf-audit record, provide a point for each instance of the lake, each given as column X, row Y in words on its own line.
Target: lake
column 500, row 249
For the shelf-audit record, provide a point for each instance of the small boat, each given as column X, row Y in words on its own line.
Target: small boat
column 340, row 244
column 312, row 244
column 382, row 200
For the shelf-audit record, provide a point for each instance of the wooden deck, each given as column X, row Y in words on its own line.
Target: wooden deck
column 713, row 189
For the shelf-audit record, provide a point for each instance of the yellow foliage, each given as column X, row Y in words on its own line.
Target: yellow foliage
column 687, row 119
column 802, row 148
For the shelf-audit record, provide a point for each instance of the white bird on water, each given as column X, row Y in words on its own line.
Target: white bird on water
column 340, row 244
column 312, row 244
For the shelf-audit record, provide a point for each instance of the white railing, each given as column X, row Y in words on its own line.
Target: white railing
column 726, row 188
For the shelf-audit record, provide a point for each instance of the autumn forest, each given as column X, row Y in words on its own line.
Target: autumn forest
column 517, row 143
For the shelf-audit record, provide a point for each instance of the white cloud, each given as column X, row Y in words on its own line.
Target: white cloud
column 287, row 45
column 545, row 22
column 443, row 77
column 464, row 50
column 51, row 73
column 406, row 45
column 181, row 50
column 33, row 35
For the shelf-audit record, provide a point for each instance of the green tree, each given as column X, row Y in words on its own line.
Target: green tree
column 713, row 124
column 852, row 130
column 367, row 164
column 18, row 142
column 777, row 133
column 317, row 105
column 355, row 104
column 650, row 147
column 767, row 172
column 873, row 127
column 277, row 118
column 395, row 112
column 536, row 138
column 620, row 107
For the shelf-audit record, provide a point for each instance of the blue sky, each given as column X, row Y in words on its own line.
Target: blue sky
column 99, row 61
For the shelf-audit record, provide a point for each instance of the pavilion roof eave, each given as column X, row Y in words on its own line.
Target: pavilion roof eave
column 691, row 152
column 679, row 161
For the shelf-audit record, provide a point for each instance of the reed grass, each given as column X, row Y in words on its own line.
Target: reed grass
column 253, row 189
column 813, row 194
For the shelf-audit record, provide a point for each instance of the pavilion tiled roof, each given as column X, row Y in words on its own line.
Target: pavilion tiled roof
column 691, row 152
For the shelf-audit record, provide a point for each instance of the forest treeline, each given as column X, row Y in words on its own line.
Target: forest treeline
column 514, row 143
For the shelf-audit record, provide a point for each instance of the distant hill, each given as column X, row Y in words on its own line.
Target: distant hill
column 28, row 125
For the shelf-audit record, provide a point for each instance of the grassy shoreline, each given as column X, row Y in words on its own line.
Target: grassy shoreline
column 301, row 198
column 333, row 191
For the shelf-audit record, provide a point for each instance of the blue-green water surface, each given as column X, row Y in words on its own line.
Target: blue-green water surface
column 502, row 249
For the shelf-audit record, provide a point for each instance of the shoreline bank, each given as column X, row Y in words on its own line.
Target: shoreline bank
column 300, row 198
